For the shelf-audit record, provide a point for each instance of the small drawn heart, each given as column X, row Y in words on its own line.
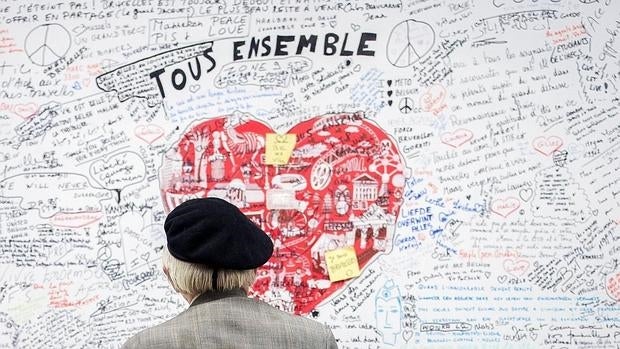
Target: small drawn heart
column 559, row 158
column 194, row 88
column 457, row 138
column 332, row 24
column 389, row 82
column 505, row 207
column 357, row 68
column 390, row 102
column 145, row 256
column 526, row 194
column 355, row 27
column 547, row 145
column 516, row 268
column 149, row 133
column 25, row 111
column 502, row 278
column 407, row 335
column 389, row 93
column 595, row 212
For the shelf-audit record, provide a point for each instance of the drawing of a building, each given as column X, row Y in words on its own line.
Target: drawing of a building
column 365, row 190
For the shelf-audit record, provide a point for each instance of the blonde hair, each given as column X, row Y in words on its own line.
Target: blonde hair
column 194, row 279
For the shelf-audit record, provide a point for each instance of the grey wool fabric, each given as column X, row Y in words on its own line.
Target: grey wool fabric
column 230, row 319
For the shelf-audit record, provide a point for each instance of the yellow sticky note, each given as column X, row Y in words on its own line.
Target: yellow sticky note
column 342, row 264
column 279, row 148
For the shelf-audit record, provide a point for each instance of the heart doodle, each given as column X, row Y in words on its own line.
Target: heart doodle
column 457, row 138
column 560, row 157
column 526, row 194
column 25, row 111
column 149, row 133
column 516, row 268
column 547, row 145
column 505, row 207
column 342, row 187
column 407, row 335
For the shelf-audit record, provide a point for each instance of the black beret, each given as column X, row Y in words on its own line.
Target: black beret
column 216, row 233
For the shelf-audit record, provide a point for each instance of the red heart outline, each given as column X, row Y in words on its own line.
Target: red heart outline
column 149, row 133
column 25, row 111
column 516, row 267
column 342, row 187
column 457, row 137
column 547, row 145
column 504, row 207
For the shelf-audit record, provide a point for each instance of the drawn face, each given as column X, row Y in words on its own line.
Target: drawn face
column 389, row 314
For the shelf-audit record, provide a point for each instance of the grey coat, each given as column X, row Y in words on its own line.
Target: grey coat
column 230, row 319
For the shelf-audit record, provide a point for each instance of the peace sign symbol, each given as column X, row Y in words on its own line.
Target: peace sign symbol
column 409, row 41
column 47, row 43
column 406, row 105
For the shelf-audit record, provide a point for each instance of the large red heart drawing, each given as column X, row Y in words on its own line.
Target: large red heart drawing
column 342, row 187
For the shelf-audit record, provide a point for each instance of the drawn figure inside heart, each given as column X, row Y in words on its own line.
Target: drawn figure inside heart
column 342, row 187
